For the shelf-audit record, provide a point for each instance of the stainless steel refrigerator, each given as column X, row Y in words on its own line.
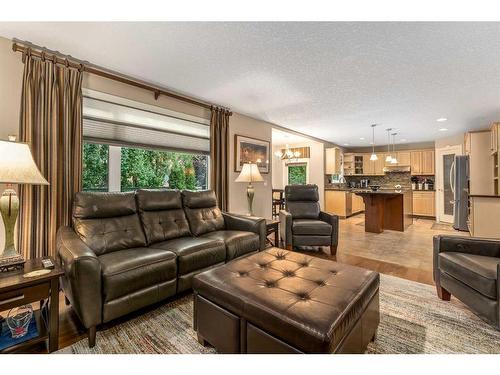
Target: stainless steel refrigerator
column 459, row 181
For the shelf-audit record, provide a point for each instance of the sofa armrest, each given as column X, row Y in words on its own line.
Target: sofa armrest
column 333, row 220
column 247, row 223
column 286, row 228
column 82, row 276
column 468, row 245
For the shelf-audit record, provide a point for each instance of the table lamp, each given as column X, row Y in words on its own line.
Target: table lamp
column 16, row 167
column 250, row 173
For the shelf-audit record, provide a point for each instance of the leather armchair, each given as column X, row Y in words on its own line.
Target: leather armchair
column 469, row 269
column 303, row 223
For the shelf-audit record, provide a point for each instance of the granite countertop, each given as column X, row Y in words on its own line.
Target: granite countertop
column 357, row 190
column 381, row 191
column 339, row 189
column 484, row 196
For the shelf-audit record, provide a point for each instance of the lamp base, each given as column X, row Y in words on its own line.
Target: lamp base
column 250, row 194
column 9, row 209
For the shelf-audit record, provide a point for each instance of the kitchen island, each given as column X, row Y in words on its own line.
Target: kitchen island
column 387, row 209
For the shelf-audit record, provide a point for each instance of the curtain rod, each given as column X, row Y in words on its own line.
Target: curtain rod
column 58, row 58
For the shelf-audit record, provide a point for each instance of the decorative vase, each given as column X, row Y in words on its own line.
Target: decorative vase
column 18, row 320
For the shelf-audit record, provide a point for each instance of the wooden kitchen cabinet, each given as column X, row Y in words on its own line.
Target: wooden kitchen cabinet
column 484, row 216
column 494, row 134
column 333, row 160
column 403, row 157
column 428, row 162
column 368, row 165
column 379, row 164
column 424, row 203
column 357, row 203
column 374, row 167
column 481, row 163
column 343, row 203
column 422, row 162
column 348, row 164
column 416, row 162
column 338, row 202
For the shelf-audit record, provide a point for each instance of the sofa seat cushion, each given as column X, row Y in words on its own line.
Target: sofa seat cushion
column 311, row 227
column 477, row 271
column 237, row 242
column 194, row 253
column 127, row 271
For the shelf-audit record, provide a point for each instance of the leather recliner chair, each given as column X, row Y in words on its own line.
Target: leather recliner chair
column 469, row 269
column 129, row 250
column 302, row 223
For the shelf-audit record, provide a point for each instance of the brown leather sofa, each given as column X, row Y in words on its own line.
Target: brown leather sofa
column 129, row 250
column 469, row 269
column 303, row 223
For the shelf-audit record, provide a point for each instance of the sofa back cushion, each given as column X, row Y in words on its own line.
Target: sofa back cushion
column 302, row 201
column 162, row 214
column 202, row 212
column 107, row 222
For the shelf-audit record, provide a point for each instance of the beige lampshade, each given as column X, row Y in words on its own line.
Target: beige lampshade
column 249, row 173
column 17, row 165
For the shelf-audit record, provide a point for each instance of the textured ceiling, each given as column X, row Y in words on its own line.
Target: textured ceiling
column 328, row 80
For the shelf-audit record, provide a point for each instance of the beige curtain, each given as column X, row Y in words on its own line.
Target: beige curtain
column 219, row 153
column 51, row 122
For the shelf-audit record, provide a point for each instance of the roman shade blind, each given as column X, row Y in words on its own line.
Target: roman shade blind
column 120, row 121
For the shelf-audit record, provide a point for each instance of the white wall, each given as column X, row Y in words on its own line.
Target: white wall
column 11, row 76
column 316, row 169
column 262, row 204
column 450, row 141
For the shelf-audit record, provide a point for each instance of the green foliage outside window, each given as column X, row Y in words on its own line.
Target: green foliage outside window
column 297, row 174
column 95, row 167
column 142, row 168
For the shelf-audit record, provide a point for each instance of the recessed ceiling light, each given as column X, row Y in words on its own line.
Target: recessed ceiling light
column 403, row 140
column 346, row 144
column 443, row 129
column 362, row 138
column 441, row 119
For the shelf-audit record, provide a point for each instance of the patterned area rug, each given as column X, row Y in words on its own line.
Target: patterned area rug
column 413, row 320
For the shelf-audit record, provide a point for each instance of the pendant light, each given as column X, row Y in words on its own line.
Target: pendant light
column 394, row 160
column 373, row 156
column 388, row 158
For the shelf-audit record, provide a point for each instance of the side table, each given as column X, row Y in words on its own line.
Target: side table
column 272, row 226
column 17, row 290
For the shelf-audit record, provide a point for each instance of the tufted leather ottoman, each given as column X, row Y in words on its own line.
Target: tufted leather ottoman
column 279, row 301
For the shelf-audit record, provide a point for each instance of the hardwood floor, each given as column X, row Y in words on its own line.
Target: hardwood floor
column 403, row 254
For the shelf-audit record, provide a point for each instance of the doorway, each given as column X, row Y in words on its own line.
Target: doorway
column 445, row 157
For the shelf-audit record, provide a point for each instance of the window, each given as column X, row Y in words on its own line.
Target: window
column 142, row 168
column 297, row 174
column 130, row 145
column 95, row 167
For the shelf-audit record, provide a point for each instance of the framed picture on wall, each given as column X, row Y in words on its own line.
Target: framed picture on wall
column 251, row 150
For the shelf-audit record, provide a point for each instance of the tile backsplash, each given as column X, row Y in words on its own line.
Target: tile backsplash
column 387, row 181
